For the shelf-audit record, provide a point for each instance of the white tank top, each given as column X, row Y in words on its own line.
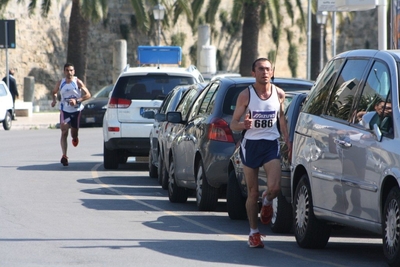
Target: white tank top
column 67, row 92
column 264, row 114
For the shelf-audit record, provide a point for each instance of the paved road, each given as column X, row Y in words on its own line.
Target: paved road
column 83, row 215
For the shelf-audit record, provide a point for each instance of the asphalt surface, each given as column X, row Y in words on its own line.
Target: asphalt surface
column 39, row 120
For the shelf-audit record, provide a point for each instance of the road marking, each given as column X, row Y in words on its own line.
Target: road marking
column 96, row 178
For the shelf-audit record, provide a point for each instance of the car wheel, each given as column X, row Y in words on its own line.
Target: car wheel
column 282, row 218
column 206, row 195
column 153, row 172
column 390, row 228
column 176, row 194
column 7, row 121
column 110, row 158
column 309, row 231
column 235, row 202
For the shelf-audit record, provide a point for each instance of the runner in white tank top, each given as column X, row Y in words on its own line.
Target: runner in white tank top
column 72, row 91
column 264, row 114
column 262, row 106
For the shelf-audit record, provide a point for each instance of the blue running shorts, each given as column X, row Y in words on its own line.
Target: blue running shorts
column 71, row 118
column 255, row 153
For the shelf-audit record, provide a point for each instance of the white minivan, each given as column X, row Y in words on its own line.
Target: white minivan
column 137, row 90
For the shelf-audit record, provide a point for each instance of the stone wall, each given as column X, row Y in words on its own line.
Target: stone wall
column 41, row 43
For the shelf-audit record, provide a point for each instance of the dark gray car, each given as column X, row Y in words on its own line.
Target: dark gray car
column 203, row 143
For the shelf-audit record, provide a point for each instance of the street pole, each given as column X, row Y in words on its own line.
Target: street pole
column 159, row 33
column 321, row 48
column 309, row 40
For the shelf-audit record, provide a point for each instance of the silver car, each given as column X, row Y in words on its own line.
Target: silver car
column 346, row 156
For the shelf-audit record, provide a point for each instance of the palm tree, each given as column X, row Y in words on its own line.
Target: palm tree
column 82, row 12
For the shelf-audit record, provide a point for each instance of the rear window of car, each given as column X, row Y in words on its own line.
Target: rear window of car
column 231, row 97
column 148, row 87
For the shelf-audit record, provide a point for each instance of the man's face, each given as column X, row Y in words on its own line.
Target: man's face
column 380, row 106
column 263, row 71
column 69, row 72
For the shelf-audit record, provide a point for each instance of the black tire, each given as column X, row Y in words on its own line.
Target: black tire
column 282, row 218
column 308, row 230
column 162, row 173
column 390, row 227
column 7, row 121
column 176, row 194
column 110, row 158
column 206, row 195
column 235, row 201
column 153, row 170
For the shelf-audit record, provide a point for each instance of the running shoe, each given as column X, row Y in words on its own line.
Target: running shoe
column 75, row 142
column 266, row 210
column 64, row 160
column 255, row 241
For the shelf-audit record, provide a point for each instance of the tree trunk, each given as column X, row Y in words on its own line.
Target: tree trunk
column 77, row 40
column 250, row 32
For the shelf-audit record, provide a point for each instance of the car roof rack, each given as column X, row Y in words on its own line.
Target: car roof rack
column 159, row 55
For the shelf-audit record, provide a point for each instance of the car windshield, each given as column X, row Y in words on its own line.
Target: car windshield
column 104, row 92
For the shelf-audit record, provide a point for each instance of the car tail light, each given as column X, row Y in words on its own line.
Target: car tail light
column 113, row 129
column 219, row 131
column 119, row 103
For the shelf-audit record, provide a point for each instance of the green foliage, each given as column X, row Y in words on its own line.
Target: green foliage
column 293, row 59
column 212, row 10
column 193, row 54
column 272, row 55
column 178, row 39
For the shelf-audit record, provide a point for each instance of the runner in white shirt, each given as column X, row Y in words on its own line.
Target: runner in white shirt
column 72, row 92
column 263, row 107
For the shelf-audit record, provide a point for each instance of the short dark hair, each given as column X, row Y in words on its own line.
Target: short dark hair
column 253, row 67
column 68, row 65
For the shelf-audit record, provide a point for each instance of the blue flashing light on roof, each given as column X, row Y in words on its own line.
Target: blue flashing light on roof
column 159, row 55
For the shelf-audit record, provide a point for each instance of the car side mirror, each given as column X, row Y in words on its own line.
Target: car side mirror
column 174, row 117
column 148, row 114
column 368, row 120
column 160, row 117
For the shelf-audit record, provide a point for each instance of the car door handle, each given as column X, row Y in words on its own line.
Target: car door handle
column 342, row 143
column 189, row 137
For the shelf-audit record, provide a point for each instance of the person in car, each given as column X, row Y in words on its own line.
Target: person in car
column 262, row 104
column 70, row 89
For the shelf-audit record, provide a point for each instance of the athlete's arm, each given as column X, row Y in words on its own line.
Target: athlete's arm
column 240, row 109
column 54, row 93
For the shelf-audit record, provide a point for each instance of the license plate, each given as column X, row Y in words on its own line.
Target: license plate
column 90, row 120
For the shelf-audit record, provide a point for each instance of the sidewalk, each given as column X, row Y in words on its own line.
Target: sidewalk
column 40, row 120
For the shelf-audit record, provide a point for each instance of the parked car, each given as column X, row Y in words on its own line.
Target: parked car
column 166, row 132
column 95, row 107
column 282, row 219
column 346, row 157
column 6, row 106
column 170, row 103
column 137, row 90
